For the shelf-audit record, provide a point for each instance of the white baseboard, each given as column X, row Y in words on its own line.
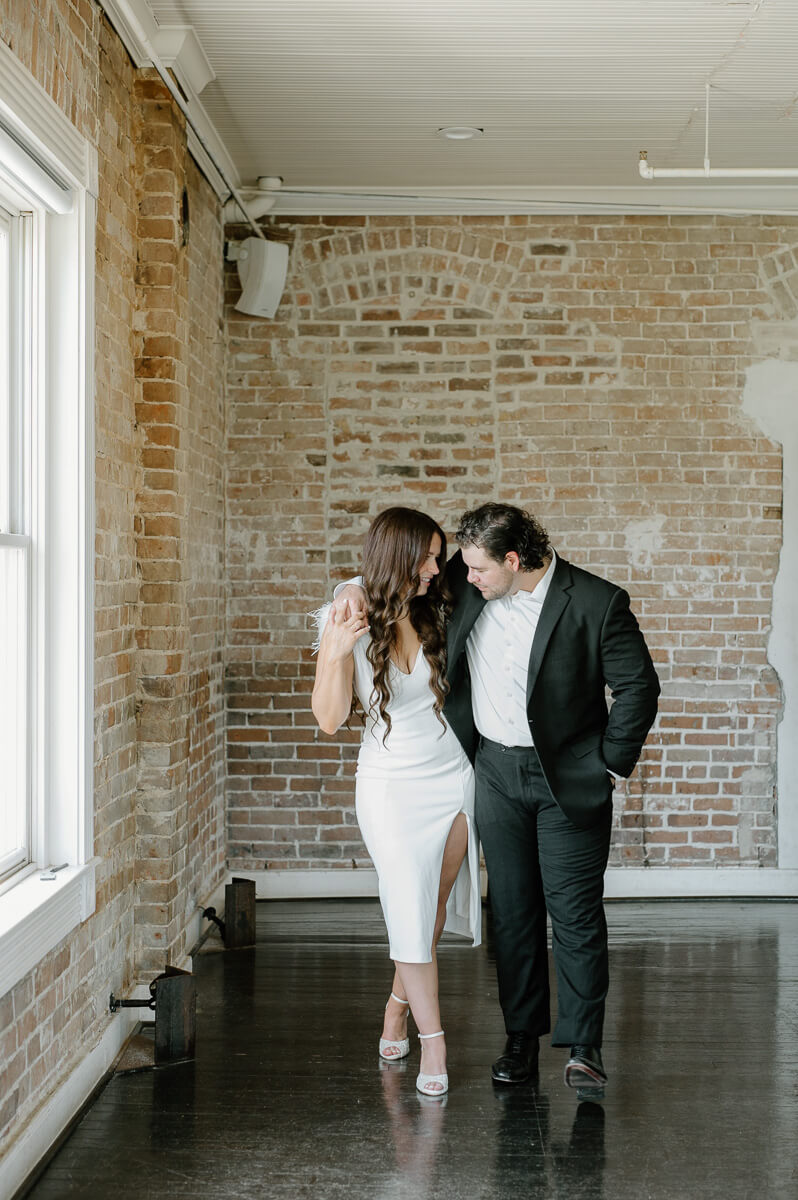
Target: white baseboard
column 52, row 1118
column 312, row 885
column 649, row 883
column 317, row 885
column 697, row 883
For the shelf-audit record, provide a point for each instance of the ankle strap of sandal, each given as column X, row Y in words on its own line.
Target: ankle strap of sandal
column 423, row 1036
column 397, row 999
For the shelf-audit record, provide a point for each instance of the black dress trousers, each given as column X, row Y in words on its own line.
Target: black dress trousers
column 538, row 861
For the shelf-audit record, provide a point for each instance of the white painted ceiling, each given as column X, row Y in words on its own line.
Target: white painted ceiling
column 347, row 95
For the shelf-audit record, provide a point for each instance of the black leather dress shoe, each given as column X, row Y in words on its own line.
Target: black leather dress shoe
column 519, row 1061
column 584, row 1069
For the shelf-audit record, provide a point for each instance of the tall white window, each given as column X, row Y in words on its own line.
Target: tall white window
column 47, row 216
column 17, row 834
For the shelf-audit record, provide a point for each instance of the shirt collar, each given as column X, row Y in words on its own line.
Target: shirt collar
column 541, row 588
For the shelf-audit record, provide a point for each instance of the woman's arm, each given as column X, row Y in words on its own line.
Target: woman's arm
column 335, row 666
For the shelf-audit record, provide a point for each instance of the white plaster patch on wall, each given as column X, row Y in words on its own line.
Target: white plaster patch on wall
column 776, row 339
column 770, row 398
column 643, row 538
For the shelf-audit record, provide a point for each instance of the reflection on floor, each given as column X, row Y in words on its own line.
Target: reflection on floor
column 287, row 1097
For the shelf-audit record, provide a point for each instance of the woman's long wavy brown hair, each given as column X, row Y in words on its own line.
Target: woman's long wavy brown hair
column 395, row 549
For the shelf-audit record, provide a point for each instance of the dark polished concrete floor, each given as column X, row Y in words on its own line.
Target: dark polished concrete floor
column 287, row 1097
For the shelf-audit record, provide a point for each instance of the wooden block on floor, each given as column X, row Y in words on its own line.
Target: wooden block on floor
column 239, row 914
column 175, row 1016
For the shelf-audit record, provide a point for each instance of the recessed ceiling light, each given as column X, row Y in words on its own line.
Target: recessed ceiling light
column 460, row 133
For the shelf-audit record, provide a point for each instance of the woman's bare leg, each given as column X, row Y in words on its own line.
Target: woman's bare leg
column 395, row 1021
column 394, row 1024
column 453, row 854
column 419, row 981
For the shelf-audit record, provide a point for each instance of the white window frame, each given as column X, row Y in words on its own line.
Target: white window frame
column 51, row 171
column 16, row 356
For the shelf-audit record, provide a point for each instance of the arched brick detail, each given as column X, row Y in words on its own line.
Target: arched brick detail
column 401, row 273
column 779, row 273
column 412, row 267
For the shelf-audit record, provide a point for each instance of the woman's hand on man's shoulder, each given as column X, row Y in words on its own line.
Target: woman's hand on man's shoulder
column 350, row 601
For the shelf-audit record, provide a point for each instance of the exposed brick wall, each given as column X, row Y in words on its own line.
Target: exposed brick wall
column 52, row 1018
column 180, row 414
column 161, row 507
column 590, row 369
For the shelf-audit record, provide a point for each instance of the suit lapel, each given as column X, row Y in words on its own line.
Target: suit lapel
column 555, row 604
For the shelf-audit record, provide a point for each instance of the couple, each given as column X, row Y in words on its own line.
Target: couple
column 499, row 658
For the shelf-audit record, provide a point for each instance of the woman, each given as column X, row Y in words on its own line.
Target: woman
column 414, row 792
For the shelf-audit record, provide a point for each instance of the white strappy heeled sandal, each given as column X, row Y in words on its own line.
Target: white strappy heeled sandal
column 400, row 1049
column 424, row 1083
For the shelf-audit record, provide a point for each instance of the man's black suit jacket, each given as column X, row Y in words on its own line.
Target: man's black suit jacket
column 587, row 639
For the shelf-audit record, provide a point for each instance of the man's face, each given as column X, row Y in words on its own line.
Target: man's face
column 493, row 579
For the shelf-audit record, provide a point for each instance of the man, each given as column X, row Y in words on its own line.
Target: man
column 532, row 644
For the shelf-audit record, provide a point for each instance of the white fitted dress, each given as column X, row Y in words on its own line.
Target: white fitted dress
column 408, row 792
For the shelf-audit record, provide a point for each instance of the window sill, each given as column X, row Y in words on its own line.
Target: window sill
column 38, row 914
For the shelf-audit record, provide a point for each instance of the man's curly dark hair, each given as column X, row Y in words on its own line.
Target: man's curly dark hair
column 499, row 528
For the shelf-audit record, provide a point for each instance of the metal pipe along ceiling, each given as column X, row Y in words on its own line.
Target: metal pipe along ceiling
column 648, row 172
column 708, row 172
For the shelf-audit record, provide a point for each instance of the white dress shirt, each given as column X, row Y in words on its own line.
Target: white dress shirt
column 498, row 650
